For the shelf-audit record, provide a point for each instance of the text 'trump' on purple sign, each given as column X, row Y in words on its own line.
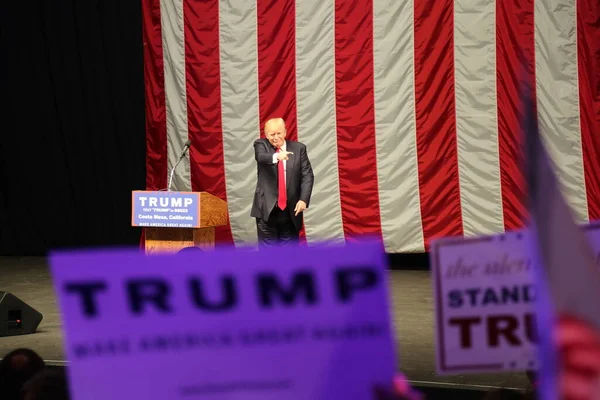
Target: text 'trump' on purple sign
column 165, row 209
column 291, row 323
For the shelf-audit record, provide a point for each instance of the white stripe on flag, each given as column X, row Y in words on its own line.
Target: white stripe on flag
column 476, row 116
column 395, row 128
column 171, row 13
column 558, row 96
column 239, row 105
column 315, row 99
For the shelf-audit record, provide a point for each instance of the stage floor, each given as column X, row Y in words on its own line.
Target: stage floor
column 412, row 308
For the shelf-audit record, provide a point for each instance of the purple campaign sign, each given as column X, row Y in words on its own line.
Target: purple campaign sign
column 165, row 209
column 291, row 323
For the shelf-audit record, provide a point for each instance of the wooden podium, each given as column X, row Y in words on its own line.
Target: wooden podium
column 212, row 212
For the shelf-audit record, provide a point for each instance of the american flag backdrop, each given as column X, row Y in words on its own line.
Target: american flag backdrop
column 409, row 108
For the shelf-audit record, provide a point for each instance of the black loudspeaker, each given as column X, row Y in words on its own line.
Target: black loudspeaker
column 16, row 317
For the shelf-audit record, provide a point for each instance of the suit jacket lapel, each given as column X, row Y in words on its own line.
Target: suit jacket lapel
column 289, row 167
column 270, row 147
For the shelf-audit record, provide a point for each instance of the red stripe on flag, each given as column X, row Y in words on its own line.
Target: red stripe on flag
column 355, row 114
column 203, row 87
column 588, row 58
column 154, row 90
column 435, row 111
column 277, row 63
column 515, row 66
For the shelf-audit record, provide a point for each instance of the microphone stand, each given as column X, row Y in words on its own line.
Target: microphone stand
column 173, row 172
column 185, row 149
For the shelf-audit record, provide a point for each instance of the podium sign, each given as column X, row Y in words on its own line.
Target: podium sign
column 176, row 220
column 165, row 209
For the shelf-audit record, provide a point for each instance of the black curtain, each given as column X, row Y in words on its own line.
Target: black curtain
column 72, row 146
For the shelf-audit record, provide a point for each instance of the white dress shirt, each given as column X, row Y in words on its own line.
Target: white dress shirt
column 275, row 160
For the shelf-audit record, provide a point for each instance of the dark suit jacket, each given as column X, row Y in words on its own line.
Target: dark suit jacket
column 299, row 179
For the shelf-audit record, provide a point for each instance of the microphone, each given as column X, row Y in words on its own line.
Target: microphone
column 186, row 146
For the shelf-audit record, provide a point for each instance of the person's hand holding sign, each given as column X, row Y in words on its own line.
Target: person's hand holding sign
column 579, row 349
column 400, row 390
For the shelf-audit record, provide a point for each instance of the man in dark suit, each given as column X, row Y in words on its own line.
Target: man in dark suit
column 284, row 185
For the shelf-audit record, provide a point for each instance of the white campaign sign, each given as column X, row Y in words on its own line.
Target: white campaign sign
column 484, row 296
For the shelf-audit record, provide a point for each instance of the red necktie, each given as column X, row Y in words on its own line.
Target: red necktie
column 282, row 198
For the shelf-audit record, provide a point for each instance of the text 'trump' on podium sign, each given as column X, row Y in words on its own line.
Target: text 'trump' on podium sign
column 166, row 209
column 175, row 220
